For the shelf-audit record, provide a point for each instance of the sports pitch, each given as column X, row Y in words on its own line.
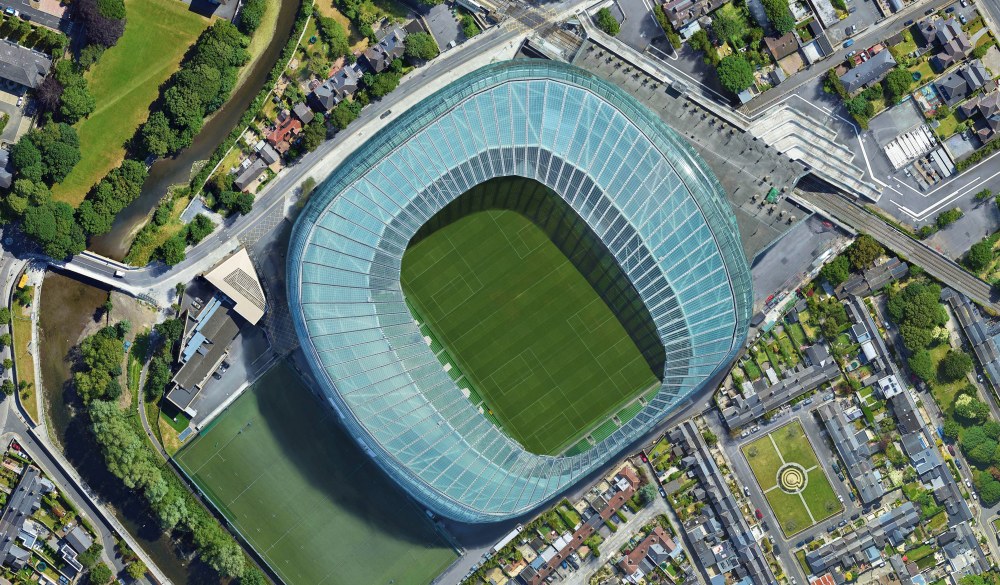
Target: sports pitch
column 795, row 507
column 535, row 341
column 278, row 466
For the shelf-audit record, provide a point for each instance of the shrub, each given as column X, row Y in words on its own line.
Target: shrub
column 607, row 22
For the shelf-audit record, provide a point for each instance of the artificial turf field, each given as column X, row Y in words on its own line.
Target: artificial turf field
column 798, row 511
column 543, row 350
column 278, row 466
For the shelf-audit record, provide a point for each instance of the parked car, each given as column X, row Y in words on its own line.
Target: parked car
column 746, row 490
column 758, row 514
column 968, row 483
column 950, row 9
column 965, row 3
column 848, row 43
column 951, row 449
column 11, row 12
column 851, row 494
column 963, row 20
column 908, row 23
column 929, row 11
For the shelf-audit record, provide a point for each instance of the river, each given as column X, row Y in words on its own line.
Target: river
column 177, row 170
column 68, row 307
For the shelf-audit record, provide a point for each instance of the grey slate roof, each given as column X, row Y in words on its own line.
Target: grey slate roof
column 22, row 65
column 249, row 174
column 378, row 57
column 868, row 72
column 854, row 452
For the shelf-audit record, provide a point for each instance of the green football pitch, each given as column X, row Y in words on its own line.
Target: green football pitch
column 278, row 466
column 544, row 352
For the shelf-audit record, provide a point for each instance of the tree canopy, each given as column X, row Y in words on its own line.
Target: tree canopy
column 980, row 255
column 898, row 82
column 918, row 311
column 836, row 271
column 607, row 22
column 954, row 366
column 735, row 73
column 421, row 46
column 864, row 251
column 780, row 15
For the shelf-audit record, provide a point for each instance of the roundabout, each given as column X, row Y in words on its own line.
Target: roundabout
column 792, row 478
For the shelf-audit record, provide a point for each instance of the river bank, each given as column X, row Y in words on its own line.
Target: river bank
column 69, row 310
column 167, row 172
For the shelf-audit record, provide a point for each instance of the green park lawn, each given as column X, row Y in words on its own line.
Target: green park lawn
column 529, row 333
column 124, row 82
column 795, row 511
column 278, row 465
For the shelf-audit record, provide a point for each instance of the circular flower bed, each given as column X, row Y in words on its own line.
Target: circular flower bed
column 792, row 478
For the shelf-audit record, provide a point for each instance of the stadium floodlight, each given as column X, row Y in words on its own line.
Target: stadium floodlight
column 657, row 208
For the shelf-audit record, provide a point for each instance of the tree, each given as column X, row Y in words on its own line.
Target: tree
column 946, row 218
column 780, row 15
column 4, row 316
column 199, row 228
column 898, row 82
column 729, row 24
column 91, row 556
column 989, row 491
column 710, row 437
column 7, row 387
column 647, row 493
column 314, row 133
column 922, row 365
column 859, row 106
column 421, row 46
column 100, row 574
column 136, row 569
column 251, row 15
column 334, row 36
column 5, row 340
column 864, row 251
column 970, row 410
column 951, row 429
column 607, row 22
column 252, row 576
column 244, row 203
column 735, row 73
column 99, row 28
column 837, row 271
column 980, row 255
column 172, row 251
column 54, row 226
column 48, row 95
column 77, row 103
column 954, row 366
column 346, row 112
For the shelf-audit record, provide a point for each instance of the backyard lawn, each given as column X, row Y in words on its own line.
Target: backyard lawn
column 125, row 82
column 947, row 126
column 925, row 71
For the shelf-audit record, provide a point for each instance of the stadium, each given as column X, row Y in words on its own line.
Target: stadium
column 512, row 282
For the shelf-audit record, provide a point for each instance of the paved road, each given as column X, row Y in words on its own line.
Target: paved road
column 30, row 13
column 937, row 265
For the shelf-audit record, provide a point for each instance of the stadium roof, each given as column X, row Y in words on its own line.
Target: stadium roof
column 645, row 192
column 236, row 278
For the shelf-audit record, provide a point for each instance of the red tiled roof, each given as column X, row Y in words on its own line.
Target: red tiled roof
column 284, row 131
column 629, row 474
column 617, row 501
column 826, row 579
column 658, row 536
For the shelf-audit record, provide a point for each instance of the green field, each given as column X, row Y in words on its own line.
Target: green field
column 531, row 336
column 125, row 81
column 278, row 466
column 794, row 511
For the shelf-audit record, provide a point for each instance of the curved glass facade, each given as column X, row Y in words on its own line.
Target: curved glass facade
column 658, row 209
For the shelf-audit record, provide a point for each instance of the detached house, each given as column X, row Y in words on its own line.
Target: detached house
column 960, row 84
column 342, row 84
column 378, row 57
column 955, row 44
